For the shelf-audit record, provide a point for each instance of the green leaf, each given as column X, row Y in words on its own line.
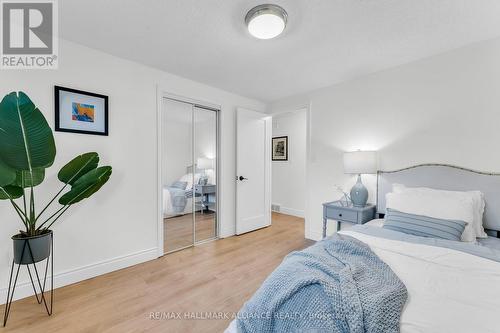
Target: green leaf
column 7, row 175
column 10, row 192
column 86, row 185
column 23, row 178
column 78, row 167
column 26, row 140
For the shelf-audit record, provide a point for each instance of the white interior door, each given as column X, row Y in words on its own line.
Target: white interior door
column 253, row 170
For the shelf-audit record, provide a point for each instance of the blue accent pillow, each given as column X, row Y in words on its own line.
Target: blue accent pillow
column 179, row 184
column 423, row 226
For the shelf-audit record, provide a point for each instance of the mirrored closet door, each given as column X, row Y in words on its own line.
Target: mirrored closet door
column 205, row 152
column 189, row 174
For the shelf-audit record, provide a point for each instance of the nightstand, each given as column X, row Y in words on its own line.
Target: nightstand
column 205, row 191
column 343, row 212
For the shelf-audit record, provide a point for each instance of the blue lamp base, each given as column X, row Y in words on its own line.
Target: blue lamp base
column 359, row 194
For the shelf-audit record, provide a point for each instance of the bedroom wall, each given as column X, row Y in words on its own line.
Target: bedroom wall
column 206, row 140
column 179, row 154
column 176, row 141
column 118, row 226
column 443, row 109
column 289, row 177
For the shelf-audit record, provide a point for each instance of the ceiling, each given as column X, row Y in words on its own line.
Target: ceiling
column 325, row 42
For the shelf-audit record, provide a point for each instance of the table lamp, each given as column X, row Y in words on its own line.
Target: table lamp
column 358, row 163
column 205, row 163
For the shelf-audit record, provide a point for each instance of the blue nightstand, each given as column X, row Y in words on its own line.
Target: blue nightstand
column 343, row 212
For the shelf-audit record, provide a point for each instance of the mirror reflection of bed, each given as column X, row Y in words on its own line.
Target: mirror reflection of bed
column 190, row 191
column 189, row 182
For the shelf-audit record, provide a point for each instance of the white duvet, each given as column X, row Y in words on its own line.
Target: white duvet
column 448, row 290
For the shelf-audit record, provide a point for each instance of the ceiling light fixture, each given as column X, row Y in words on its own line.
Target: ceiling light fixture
column 266, row 21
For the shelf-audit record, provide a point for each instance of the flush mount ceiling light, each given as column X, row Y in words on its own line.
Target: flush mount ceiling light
column 266, row 21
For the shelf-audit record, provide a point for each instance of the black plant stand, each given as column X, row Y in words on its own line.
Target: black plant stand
column 40, row 296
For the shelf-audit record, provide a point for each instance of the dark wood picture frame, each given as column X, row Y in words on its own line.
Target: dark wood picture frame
column 285, row 138
column 58, row 89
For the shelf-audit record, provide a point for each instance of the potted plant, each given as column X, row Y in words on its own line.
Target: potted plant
column 27, row 148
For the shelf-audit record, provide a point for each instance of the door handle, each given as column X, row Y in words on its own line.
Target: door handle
column 241, row 178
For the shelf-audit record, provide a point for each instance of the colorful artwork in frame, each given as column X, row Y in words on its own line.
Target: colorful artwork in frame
column 280, row 148
column 83, row 112
column 78, row 111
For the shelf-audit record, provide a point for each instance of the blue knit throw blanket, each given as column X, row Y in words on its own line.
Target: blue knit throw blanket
column 336, row 285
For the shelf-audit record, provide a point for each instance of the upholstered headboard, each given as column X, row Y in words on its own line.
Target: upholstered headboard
column 189, row 169
column 446, row 177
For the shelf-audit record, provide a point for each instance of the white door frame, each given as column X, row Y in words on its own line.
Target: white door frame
column 162, row 93
column 309, row 158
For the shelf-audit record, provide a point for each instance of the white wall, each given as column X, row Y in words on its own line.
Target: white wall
column 118, row 226
column 206, row 137
column 176, row 140
column 289, row 177
column 444, row 109
column 206, row 142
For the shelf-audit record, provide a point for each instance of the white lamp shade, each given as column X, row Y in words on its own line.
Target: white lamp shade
column 205, row 163
column 360, row 162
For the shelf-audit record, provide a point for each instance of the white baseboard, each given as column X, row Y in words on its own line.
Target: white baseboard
column 227, row 233
column 291, row 211
column 24, row 289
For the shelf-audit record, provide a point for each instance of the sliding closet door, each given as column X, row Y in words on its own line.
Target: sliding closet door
column 205, row 154
column 178, row 175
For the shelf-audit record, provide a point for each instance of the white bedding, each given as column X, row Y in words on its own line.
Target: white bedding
column 448, row 290
column 376, row 223
column 189, row 179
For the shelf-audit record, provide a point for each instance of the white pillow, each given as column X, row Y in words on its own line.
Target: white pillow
column 437, row 205
column 399, row 188
column 477, row 199
column 376, row 223
column 188, row 178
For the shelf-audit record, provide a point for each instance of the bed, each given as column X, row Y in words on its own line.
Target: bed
column 178, row 196
column 377, row 278
column 177, row 201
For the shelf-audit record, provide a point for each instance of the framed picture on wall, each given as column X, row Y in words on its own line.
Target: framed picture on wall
column 280, row 148
column 79, row 111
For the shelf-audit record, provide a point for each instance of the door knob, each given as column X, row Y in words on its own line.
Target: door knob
column 241, row 178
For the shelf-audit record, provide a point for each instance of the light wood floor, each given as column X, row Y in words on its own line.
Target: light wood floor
column 214, row 277
column 178, row 231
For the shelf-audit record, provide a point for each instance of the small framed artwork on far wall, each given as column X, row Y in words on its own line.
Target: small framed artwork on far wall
column 78, row 111
column 280, row 148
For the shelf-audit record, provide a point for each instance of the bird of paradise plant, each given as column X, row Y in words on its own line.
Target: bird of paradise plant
column 27, row 148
